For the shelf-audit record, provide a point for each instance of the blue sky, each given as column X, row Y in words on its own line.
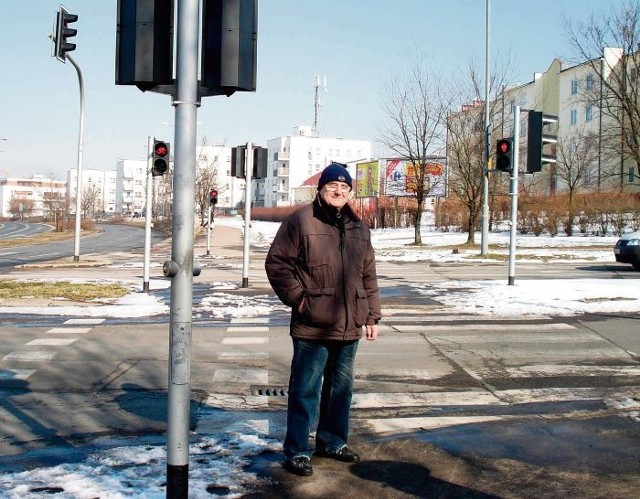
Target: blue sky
column 358, row 45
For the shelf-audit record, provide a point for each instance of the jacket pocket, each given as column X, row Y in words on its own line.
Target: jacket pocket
column 362, row 307
column 319, row 306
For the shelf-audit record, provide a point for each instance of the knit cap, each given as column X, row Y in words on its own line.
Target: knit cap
column 335, row 172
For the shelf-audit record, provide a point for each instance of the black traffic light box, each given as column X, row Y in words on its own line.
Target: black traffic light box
column 160, row 158
column 504, row 155
column 144, row 43
column 229, row 45
column 213, row 197
column 537, row 139
column 63, row 33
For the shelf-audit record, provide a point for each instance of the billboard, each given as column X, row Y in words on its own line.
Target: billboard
column 400, row 177
column 368, row 179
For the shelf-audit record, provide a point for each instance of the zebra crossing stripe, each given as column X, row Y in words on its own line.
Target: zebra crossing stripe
column 8, row 374
column 69, row 330
column 248, row 329
column 245, row 340
column 242, row 375
column 249, row 320
column 415, row 328
column 34, row 355
column 52, row 341
column 419, row 399
column 83, row 321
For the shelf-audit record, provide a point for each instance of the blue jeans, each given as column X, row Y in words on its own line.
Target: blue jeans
column 322, row 373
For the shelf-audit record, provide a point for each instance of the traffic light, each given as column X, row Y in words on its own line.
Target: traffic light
column 237, row 161
column 537, row 139
column 504, row 155
column 213, row 197
column 160, row 158
column 229, row 46
column 260, row 162
column 63, row 33
column 144, row 43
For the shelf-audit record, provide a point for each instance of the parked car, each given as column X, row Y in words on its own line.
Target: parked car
column 627, row 249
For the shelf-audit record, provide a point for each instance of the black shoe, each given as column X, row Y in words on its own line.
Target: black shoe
column 300, row 465
column 345, row 455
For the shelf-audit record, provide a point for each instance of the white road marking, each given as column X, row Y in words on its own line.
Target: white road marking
column 52, row 341
column 248, row 329
column 30, row 356
column 245, row 340
column 242, row 355
column 416, row 328
column 249, row 320
column 6, row 374
column 242, row 375
column 84, row 321
column 69, row 330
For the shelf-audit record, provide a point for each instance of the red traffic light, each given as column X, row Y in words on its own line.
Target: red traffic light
column 213, row 197
column 503, row 146
column 160, row 149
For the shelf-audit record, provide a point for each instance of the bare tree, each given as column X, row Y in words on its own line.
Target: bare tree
column 91, row 197
column 617, row 71
column 415, row 130
column 575, row 158
column 206, row 180
column 466, row 139
column 21, row 207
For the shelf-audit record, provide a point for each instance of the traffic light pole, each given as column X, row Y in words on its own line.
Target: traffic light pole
column 181, row 267
column 247, row 213
column 147, row 217
column 209, row 223
column 514, row 195
column 76, row 245
column 484, row 214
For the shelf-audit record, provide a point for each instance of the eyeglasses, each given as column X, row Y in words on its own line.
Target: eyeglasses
column 337, row 186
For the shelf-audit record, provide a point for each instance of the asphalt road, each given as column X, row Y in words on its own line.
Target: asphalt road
column 111, row 238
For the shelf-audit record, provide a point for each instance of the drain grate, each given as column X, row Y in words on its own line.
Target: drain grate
column 270, row 391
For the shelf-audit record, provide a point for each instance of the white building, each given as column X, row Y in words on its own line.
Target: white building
column 99, row 188
column 37, row 196
column 217, row 159
column 292, row 159
column 131, row 185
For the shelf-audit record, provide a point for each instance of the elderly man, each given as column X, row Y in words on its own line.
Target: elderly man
column 321, row 264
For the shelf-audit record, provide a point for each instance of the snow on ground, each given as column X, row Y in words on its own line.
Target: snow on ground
column 127, row 468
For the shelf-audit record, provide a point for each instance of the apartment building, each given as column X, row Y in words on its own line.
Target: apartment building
column 37, row 196
column 99, row 191
column 292, row 159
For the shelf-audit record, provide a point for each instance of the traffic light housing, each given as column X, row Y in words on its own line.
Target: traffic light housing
column 63, row 33
column 160, row 158
column 504, row 155
column 144, row 43
column 537, row 139
column 213, row 197
column 229, row 46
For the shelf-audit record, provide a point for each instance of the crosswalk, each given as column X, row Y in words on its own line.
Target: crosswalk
column 425, row 371
column 428, row 372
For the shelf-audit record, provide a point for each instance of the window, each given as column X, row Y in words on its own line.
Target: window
column 588, row 113
column 633, row 75
column 632, row 174
column 574, row 87
column 589, row 82
column 574, row 116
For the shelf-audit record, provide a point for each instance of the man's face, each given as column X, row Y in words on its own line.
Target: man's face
column 335, row 194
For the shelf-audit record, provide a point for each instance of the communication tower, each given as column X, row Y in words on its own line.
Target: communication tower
column 320, row 86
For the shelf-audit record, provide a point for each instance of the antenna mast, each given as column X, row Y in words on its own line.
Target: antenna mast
column 320, row 85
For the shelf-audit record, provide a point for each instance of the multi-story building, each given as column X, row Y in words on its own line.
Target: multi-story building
column 37, row 196
column 292, row 159
column 588, row 148
column 99, row 191
column 131, row 185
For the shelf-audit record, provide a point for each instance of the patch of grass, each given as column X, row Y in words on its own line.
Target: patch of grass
column 44, row 237
column 80, row 292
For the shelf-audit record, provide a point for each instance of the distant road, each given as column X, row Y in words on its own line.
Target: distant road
column 111, row 238
column 15, row 230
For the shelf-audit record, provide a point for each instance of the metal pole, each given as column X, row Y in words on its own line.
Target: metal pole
column 209, row 222
column 76, row 245
column 484, row 243
column 181, row 265
column 514, row 195
column 147, row 217
column 247, row 214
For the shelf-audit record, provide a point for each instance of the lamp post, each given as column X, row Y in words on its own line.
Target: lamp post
column 484, row 242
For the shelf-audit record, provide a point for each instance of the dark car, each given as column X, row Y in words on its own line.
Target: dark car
column 627, row 249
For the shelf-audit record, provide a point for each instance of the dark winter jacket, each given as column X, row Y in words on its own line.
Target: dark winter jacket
column 328, row 260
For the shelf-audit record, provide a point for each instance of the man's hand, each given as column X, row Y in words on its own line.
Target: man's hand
column 372, row 332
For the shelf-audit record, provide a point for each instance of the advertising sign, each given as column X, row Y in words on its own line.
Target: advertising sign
column 401, row 176
column 367, row 179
